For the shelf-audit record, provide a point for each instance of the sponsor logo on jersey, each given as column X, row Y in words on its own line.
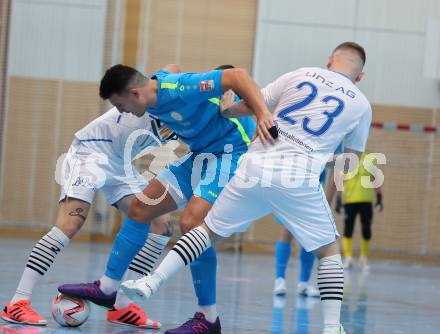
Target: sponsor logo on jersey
column 206, row 85
column 295, row 140
column 176, row 116
column 331, row 84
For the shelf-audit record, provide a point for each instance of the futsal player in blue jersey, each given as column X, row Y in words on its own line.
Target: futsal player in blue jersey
column 188, row 104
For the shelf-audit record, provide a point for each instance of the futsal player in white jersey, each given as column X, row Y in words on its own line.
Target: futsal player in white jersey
column 100, row 158
column 315, row 110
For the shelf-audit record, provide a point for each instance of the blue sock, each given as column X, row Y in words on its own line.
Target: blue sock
column 306, row 265
column 204, row 274
column 282, row 254
column 128, row 242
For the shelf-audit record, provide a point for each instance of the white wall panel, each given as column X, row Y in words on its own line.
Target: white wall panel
column 394, row 70
column 57, row 39
column 294, row 47
column 336, row 12
column 292, row 34
column 399, row 15
column 432, row 49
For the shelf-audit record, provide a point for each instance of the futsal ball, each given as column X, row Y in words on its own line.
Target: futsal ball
column 70, row 311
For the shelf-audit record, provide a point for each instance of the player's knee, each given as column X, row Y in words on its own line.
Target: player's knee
column 185, row 223
column 366, row 233
column 348, row 231
column 137, row 212
column 188, row 221
column 72, row 216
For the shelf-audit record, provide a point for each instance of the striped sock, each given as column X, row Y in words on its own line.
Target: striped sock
column 40, row 260
column 186, row 250
column 143, row 263
column 192, row 244
column 331, row 288
column 145, row 260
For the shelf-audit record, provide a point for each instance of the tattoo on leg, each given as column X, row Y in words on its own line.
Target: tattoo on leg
column 77, row 212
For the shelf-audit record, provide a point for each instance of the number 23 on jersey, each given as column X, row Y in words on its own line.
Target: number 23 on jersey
column 334, row 112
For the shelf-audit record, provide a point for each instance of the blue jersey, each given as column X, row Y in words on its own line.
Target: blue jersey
column 189, row 104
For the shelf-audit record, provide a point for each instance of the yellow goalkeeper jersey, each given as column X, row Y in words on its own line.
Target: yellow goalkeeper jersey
column 354, row 191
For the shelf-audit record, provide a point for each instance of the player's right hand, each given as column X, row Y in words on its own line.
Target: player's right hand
column 264, row 123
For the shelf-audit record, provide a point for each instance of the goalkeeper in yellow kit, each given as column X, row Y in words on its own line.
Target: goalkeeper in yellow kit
column 357, row 199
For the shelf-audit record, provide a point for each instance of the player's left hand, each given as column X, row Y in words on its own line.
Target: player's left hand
column 266, row 129
column 379, row 202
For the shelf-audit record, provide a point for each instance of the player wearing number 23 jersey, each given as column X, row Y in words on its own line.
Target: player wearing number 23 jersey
column 315, row 110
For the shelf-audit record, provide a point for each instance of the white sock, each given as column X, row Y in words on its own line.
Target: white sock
column 122, row 300
column 210, row 312
column 186, row 250
column 108, row 285
column 331, row 286
column 40, row 260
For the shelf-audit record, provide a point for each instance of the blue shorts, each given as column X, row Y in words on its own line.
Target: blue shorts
column 200, row 174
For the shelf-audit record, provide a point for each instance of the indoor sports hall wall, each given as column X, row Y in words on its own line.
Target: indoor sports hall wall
column 56, row 56
column 402, row 82
column 57, row 53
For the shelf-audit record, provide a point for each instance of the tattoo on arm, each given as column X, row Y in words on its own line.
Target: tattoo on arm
column 78, row 212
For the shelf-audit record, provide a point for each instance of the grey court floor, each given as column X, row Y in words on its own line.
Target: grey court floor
column 392, row 298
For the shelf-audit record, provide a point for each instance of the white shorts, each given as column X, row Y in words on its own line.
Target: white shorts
column 304, row 211
column 93, row 166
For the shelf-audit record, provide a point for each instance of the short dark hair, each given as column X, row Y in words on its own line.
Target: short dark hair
column 119, row 78
column 354, row 46
column 224, row 67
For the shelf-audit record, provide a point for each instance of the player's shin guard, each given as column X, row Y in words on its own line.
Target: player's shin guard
column 282, row 254
column 128, row 242
column 40, row 260
column 331, row 286
column 204, row 272
column 306, row 265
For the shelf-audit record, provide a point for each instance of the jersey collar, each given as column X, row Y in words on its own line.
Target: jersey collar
column 342, row 74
